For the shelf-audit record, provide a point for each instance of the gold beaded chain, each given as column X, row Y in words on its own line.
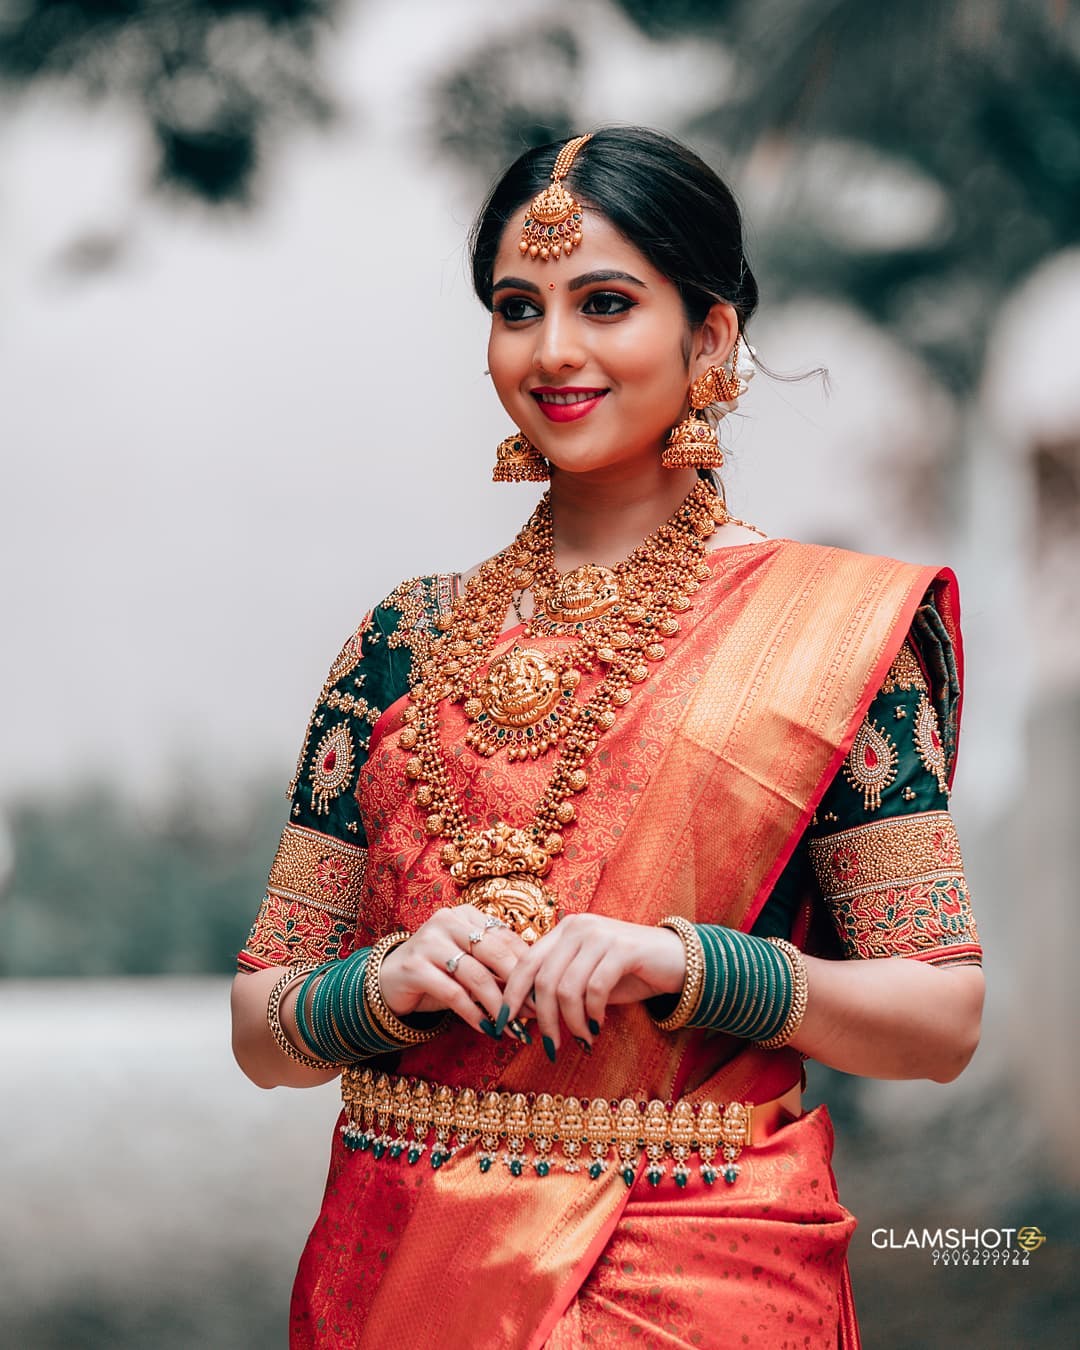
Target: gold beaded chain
column 525, row 701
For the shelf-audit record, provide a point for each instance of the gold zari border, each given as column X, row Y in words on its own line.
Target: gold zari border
column 392, row 1115
column 898, row 851
column 318, row 870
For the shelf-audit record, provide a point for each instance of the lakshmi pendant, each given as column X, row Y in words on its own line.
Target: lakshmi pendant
column 520, row 901
column 588, row 592
column 523, row 705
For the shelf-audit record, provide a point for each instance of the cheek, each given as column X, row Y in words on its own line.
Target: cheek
column 650, row 363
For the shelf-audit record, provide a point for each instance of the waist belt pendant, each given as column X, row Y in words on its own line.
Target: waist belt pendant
column 490, row 1123
column 682, row 1140
column 655, row 1131
column 627, row 1138
column 421, row 1120
column 401, row 1107
column 599, row 1133
column 442, row 1115
column 516, row 1126
column 571, row 1132
column 543, row 1132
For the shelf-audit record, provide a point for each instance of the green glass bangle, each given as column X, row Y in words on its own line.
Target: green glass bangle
column 747, row 985
column 337, row 1026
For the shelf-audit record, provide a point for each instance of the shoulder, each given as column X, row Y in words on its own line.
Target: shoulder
column 408, row 617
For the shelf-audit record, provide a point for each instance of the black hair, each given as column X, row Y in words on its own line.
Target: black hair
column 657, row 193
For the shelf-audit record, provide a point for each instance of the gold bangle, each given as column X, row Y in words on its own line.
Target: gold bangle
column 694, row 981
column 798, row 999
column 273, row 1018
column 384, row 1018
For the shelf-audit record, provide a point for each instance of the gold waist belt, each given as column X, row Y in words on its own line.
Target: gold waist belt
column 392, row 1116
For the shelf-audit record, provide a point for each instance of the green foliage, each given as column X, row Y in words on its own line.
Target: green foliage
column 98, row 890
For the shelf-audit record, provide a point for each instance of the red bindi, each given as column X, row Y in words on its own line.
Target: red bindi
column 551, row 285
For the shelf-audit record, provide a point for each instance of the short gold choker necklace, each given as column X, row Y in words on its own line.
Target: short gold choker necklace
column 619, row 619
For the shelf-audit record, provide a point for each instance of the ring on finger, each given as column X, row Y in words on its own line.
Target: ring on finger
column 492, row 922
column 477, row 935
column 452, row 962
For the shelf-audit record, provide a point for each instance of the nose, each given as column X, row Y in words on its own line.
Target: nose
column 558, row 344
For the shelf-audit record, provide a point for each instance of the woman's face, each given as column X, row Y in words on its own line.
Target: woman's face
column 591, row 355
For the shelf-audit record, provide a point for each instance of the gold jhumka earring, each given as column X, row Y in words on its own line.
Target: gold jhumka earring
column 693, row 443
column 517, row 460
column 552, row 225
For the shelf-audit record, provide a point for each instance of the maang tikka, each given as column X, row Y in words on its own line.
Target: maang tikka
column 552, row 224
column 693, row 443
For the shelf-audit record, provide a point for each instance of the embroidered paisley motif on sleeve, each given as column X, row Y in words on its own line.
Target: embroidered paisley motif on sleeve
column 896, row 887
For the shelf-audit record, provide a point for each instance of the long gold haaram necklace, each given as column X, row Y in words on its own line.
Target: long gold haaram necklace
column 525, row 702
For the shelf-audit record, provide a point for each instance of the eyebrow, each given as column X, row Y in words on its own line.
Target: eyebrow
column 575, row 283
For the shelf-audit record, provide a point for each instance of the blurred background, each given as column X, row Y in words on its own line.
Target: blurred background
column 242, row 394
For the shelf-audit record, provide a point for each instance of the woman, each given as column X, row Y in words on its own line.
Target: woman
column 563, row 828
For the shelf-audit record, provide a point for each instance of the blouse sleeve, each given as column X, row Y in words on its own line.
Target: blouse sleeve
column 882, row 844
column 313, row 895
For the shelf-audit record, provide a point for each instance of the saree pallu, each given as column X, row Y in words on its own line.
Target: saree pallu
column 697, row 798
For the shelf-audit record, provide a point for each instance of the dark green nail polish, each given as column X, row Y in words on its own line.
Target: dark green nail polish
column 518, row 1030
column 488, row 1028
column 503, row 1018
column 549, row 1048
column 585, row 1046
column 594, row 1026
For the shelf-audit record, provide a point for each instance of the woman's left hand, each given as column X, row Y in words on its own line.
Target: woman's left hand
column 588, row 962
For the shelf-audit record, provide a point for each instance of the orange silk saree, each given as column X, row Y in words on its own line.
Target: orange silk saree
column 697, row 799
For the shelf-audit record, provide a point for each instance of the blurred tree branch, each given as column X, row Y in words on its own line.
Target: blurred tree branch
column 213, row 79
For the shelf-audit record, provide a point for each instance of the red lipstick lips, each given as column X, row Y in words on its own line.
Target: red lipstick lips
column 567, row 404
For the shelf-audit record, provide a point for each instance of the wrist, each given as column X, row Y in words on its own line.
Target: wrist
column 667, row 962
column 392, row 985
column 689, row 988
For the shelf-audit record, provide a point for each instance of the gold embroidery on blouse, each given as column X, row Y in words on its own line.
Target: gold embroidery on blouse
column 896, row 887
column 319, row 870
column 905, row 672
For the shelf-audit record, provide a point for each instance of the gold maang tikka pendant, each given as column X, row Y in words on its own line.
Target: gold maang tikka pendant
column 552, row 225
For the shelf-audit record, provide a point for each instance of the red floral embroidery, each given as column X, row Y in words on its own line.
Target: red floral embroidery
column 287, row 931
column 906, row 920
column 944, row 843
column 333, row 876
column 845, row 863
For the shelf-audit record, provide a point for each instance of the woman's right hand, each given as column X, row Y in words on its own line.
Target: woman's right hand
column 414, row 977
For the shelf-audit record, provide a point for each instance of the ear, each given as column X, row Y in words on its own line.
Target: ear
column 715, row 338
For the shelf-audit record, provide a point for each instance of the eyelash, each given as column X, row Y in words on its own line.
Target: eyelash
column 623, row 303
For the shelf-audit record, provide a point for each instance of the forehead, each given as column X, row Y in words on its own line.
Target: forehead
column 601, row 247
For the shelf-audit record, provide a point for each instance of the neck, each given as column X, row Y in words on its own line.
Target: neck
column 603, row 520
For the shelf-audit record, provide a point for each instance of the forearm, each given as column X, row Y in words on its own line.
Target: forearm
column 254, row 1047
column 891, row 1018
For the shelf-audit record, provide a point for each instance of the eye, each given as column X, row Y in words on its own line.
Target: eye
column 515, row 308
column 607, row 304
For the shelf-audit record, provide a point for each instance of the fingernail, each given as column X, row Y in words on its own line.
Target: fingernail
column 594, row 1026
column 518, row 1030
column 549, row 1048
column 503, row 1018
column 488, row 1028
column 585, row 1046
